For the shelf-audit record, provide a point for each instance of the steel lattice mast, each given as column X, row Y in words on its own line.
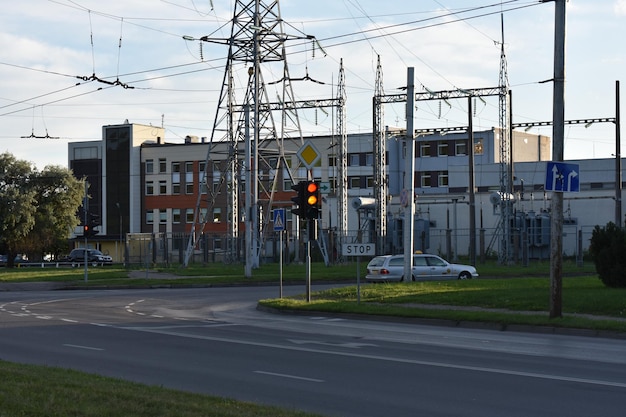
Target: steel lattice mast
column 506, row 163
column 342, row 162
column 380, row 149
column 257, row 40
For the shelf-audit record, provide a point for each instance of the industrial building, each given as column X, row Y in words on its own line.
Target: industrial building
column 145, row 190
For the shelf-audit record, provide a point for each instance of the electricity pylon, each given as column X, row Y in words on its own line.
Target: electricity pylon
column 254, row 127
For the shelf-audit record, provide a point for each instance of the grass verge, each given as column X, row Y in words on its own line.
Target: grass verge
column 587, row 303
column 29, row 390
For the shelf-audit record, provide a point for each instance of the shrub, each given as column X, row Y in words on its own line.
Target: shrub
column 608, row 251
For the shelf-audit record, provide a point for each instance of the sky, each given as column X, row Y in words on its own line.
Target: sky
column 55, row 55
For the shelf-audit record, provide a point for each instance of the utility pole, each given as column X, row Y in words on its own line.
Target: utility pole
column 558, row 132
column 472, row 183
column 618, row 162
column 409, row 176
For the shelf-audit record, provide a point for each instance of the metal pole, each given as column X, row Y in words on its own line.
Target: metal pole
column 86, row 210
column 472, row 185
column 308, row 270
column 618, row 162
column 280, row 265
column 409, row 176
column 248, row 197
column 558, row 132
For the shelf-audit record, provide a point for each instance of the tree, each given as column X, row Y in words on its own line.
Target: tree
column 607, row 248
column 17, row 203
column 59, row 194
column 37, row 209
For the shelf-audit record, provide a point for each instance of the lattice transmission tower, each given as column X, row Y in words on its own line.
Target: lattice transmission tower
column 255, row 128
column 506, row 158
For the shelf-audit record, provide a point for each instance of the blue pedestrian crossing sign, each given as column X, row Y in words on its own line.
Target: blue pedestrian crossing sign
column 279, row 219
column 562, row 177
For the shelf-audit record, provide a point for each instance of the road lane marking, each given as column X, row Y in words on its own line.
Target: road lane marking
column 83, row 347
column 534, row 375
column 301, row 378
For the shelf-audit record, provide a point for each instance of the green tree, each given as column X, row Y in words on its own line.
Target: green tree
column 17, row 203
column 607, row 248
column 59, row 194
column 37, row 209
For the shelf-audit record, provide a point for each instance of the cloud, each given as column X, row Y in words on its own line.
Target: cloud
column 620, row 7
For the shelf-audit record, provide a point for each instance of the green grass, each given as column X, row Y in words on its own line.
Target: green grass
column 518, row 301
column 29, row 390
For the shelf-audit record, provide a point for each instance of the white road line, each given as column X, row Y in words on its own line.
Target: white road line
column 82, row 347
column 301, row 378
column 531, row 375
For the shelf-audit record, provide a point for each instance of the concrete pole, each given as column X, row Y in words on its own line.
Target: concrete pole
column 558, row 132
column 472, row 185
column 409, row 176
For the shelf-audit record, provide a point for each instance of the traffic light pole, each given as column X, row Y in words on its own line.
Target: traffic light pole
column 308, row 270
column 86, row 214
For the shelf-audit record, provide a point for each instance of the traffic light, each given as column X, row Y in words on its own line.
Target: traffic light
column 312, row 200
column 299, row 199
column 90, row 229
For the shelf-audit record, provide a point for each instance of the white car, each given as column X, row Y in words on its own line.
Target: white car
column 425, row 267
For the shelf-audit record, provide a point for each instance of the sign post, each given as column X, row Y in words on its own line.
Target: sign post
column 279, row 226
column 358, row 250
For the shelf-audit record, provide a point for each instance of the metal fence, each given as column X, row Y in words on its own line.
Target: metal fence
column 163, row 249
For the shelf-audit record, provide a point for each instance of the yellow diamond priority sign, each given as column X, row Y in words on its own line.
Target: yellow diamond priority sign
column 308, row 154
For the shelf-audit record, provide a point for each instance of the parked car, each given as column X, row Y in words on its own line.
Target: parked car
column 425, row 267
column 19, row 259
column 94, row 256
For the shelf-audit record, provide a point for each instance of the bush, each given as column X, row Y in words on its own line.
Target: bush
column 608, row 251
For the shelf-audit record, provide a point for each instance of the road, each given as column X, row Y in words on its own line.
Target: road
column 214, row 341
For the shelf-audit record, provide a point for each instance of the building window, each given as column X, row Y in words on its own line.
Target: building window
column 189, row 177
column 460, row 147
column 217, row 214
column 442, row 179
column 175, row 177
column 369, row 159
column 162, row 165
column 162, row 187
column 149, row 188
column 88, row 152
column 425, row 180
column 425, row 149
column 149, row 166
column 370, row 182
column 332, row 160
column 149, row 217
column 442, row 149
column 354, row 160
column 189, row 216
column 355, row 182
column 176, row 216
column 163, row 216
column 203, row 213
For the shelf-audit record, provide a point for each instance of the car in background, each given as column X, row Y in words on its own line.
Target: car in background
column 94, row 257
column 425, row 267
column 18, row 260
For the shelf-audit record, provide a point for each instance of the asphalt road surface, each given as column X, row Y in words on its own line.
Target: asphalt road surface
column 214, row 341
